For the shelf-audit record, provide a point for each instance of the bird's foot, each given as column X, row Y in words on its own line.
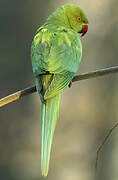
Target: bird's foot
column 70, row 84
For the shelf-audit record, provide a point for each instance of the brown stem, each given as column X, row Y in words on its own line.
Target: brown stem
column 19, row 94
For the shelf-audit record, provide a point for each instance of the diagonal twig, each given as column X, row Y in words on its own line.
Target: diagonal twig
column 19, row 94
column 102, row 144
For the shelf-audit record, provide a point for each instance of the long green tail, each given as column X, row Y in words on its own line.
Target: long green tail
column 49, row 116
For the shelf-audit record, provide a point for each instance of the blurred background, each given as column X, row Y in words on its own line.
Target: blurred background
column 88, row 110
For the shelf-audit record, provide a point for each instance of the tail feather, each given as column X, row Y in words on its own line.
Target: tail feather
column 49, row 116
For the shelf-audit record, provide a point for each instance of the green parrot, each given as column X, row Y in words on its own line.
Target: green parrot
column 56, row 52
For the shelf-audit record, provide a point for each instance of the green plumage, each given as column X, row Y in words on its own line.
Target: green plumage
column 56, row 53
column 49, row 116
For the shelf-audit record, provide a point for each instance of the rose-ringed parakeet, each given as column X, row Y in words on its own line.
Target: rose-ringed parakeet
column 55, row 54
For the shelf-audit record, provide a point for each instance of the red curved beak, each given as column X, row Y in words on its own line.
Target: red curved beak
column 84, row 29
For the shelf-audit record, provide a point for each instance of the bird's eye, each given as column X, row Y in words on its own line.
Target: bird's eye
column 79, row 19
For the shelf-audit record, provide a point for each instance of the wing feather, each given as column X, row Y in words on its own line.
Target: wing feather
column 58, row 83
column 59, row 52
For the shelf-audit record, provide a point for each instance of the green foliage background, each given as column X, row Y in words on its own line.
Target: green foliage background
column 88, row 110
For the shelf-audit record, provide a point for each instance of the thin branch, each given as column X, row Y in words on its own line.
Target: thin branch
column 102, row 144
column 19, row 94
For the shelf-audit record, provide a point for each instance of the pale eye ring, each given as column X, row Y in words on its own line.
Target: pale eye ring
column 79, row 19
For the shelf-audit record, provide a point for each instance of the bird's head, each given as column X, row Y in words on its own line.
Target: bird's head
column 76, row 18
column 69, row 16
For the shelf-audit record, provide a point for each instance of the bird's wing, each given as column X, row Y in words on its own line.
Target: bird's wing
column 58, row 83
column 56, row 52
column 59, row 53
